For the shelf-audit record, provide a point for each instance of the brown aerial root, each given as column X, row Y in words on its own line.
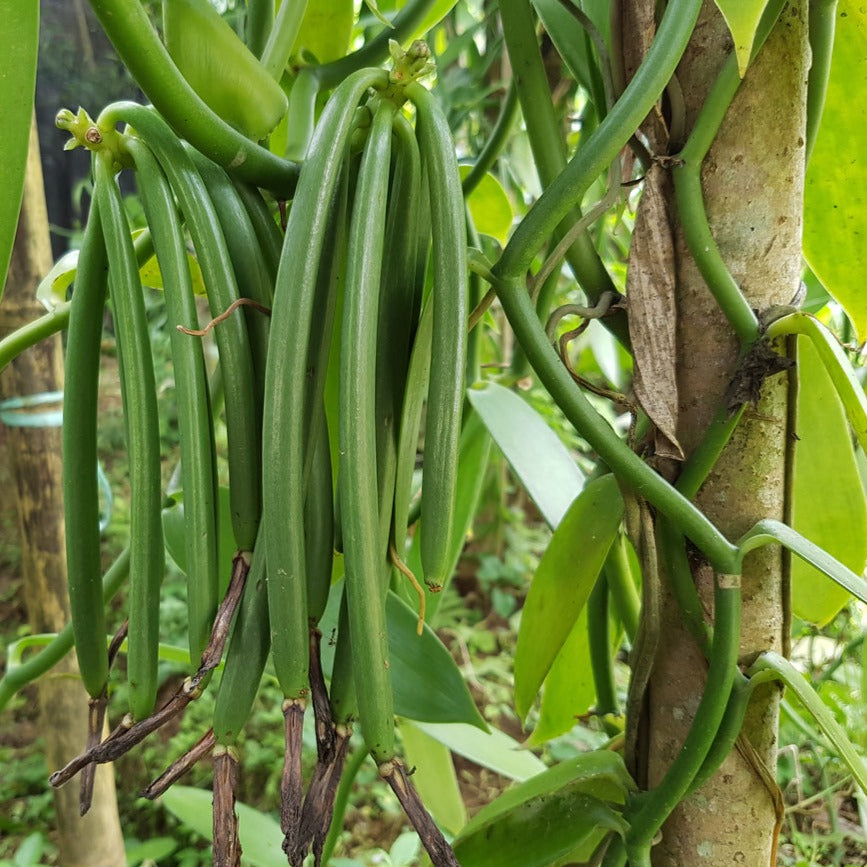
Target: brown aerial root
column 180, row 766
column 441, row 854
column 95, row 722
column 408, row 574
column 240, row 302
column 127, row 736
column 319, row 802
column 324, row 725
column 227, row 844
column 291, row 782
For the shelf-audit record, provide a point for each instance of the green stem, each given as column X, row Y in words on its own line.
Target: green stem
column 655, row 807
column 672, row 549
column 30, row 334
column 624, row 595
column 599, row 151
column 547, row 143
column 690, row 199
column 499, row 134
column 372, row 53
column 19, row 676
column 823, row 19
column 628, row 466
column 702, row 460
column 260, row 20
column 128, row 27
column 353, row 766
column 275, row 55
column 599, row 641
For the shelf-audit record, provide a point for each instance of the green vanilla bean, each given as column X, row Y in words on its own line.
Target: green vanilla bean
column 598, row 152
column 130, row 30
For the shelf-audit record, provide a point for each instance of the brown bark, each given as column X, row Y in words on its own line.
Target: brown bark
column 752, row 181
column 35, row 463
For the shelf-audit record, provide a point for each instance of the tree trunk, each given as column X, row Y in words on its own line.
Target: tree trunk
column 34, row 455
column 753, row 184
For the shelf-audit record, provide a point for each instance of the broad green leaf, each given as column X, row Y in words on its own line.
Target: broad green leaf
column 572, row 44
column 427, row 682
column 770, row 532
column 17, row 80
column 494, row 749
column 261, row 837
column 600, row 773
column 490, row 207
column 835, row 196
column 434, row 778
column 436, row 13
column 428, row 685
column 742, row 17
column 549, row 815
column 562, row 583
column 325, row 30
column 151, row 851
column 152, row 277
column 541, row 462
column 784, row 670
column 837, row 366
column 569, row 691
column 828, row 502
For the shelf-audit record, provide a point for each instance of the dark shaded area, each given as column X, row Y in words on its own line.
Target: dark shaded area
column 77, row 66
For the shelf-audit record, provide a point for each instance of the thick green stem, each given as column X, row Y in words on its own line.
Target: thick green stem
column 546, row 138
column 28, row 335
column 260, row 19
column 690, row 198
column 628, row 467
column 599, row 151
column 499, row 134
column 624, row 595
column 275, row 55
column 599, row 640
column 144, row 55
column 654, row 808
column 823, row 19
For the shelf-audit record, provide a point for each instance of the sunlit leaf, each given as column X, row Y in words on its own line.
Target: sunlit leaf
column 490, row 207
column 835, row 196
column 569, row 690
column 742, row 17
column 260, row 835
column 562, row 583
column 428, row 685
column 17, row 79
column 434, row 778
column 541, row 462
column 325, row 30
column 494, row 750
column 810, row 699
column 829, row 506
column 547, row 816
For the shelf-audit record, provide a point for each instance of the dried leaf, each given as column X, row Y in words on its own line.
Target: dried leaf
column 650, row 292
